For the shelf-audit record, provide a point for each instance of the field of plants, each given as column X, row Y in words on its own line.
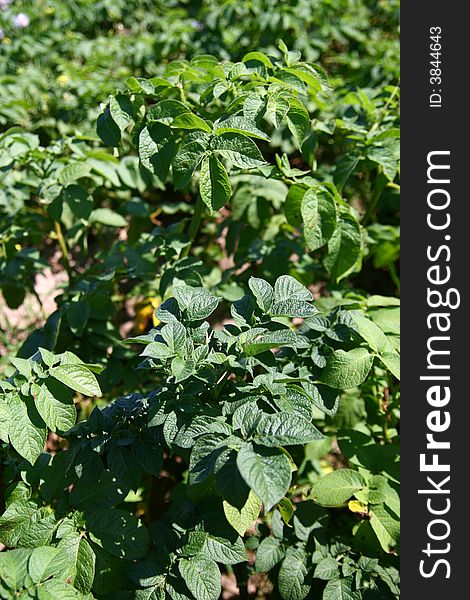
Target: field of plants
column 199, row 309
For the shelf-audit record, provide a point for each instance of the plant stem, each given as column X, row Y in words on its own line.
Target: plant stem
column 394, row 276
column 380, row 184
column 63, row 248
column 194, row 225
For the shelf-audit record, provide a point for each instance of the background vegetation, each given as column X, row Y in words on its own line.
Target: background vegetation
column 190, row 176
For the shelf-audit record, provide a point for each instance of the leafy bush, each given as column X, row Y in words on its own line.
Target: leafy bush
column 189, row 416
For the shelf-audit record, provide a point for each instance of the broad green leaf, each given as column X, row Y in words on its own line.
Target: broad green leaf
column 285, row 429
column 26, row 524
column 345, row 168
column 241, row 519
column 214, row 184
column 386, row 526
column 392, row 361
column 108, row 217
column 347, row 369
column 182, row 368
column 190, row 153
column 14, row 567
column 286, row 508
column 238, row 149
column 27, row 430
column 259, row 57
column 267, row 341
column 268, row 555
column 72, row 172
column 45, row 562
column 288, row 288
column 78, row 312
column 292, row 575
column 327, row 569
column 55, row 405
column 266, row 471
column 122, row 464
column 189, row 120
column 344, row 248
column 293, row 203
column 199, row 303
column 335, row 488
column 121, row 110
column 107, row 129
column 4, row 419
column 157, row 149
column 241, row 125
column 225, row 551
column 80, row 565
column 340, row 589
column 263, row 292
column 78, row 378
column 202, row 576
column 58, row 589
column 118, row 532
column 298, row 119
column 318, row 210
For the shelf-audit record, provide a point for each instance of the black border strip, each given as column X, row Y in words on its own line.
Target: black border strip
column 430, row 124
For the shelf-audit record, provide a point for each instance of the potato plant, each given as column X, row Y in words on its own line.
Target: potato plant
column 211, row 407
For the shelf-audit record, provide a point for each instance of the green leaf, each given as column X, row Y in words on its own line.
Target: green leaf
column 286, row 429
column 118, row 532
column 45, row 562
column 57, row 589
column 78, row 313
column 72, row 172
column 157, row 148
column 27, row 430
column 263, row 292
column 335, row 488
column 189, row 120
column 266, row 471
column 254, row 343
column 182, row 368
column 259, row 57
column 241, row 125
column 386, row 526
column 268, row 554
column 198, row 303
column 340, row 589
column 347, row 369
column 4, row 419
column 108, row 217
column 238, row 149
column 190, row 153
column 288, row 288
column 80, row 568
column 26, row 524
column 107, row 129
column 121, row 462
column 298, row 119
column 293, row 203
column 327, row 569
column 318, row 210
column 14, row 567
column 78, row 378
column 344, row 248
column 345, row 168
column 121, row 110
column 241, row 519
column 202, row 576
column 292, row 574
column 224, row 550
column 55, row 405
column 214, row 184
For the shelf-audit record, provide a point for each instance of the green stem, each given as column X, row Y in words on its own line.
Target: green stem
column 194, row 225
column 63, row 248
column 394, row 276
column 380, row 184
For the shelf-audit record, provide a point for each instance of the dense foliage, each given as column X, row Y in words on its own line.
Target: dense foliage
column 210, row 405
